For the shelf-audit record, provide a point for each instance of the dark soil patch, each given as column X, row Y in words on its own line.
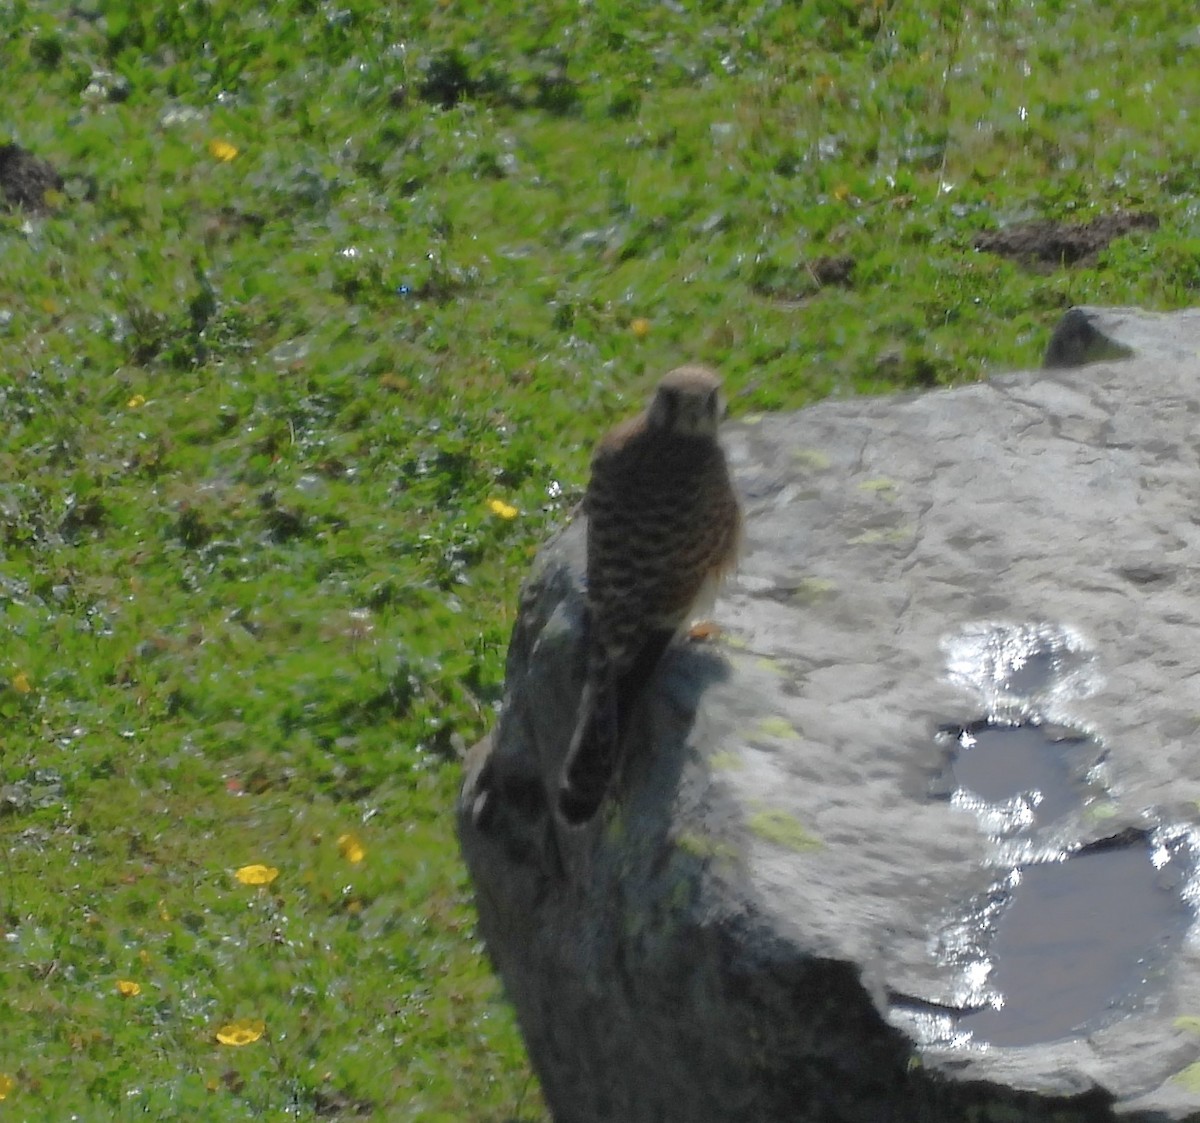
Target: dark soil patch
column 796, row 283
column 450, row 79
column 25, row 179
column 1046, row 242
column 833, row 270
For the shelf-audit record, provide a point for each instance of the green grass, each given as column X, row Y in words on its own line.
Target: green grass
column 253, row 409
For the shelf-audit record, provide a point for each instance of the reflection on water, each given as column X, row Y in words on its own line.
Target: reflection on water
column 1069, row 936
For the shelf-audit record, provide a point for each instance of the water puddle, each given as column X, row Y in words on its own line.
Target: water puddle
column 1078, row 926
column 1039, row 772
column 1078, row 943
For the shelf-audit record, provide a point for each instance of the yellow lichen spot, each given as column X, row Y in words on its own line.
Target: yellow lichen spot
column 222, row 150
column 811, row 459
column 725, row 761
column 889, row 536
column 777, row 727
column 351, row 849
column 257, row 875
column 702, row 847
column 1189, row 1077
column 127, row 988
column 813, row 590
column 503, row 510
column 1188, row 1022
column 245, row 1031
column 783, row 830
column 881, row 486
column 7, row 1084
column 1100, row 811
column 21, row 683
column 136, row 402
column 640, row 327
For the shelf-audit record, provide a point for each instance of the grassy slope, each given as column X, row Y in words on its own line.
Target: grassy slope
column 253, row 597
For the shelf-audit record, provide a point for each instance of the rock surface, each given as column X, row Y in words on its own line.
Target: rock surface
column 1090, row 335
column 759, row 924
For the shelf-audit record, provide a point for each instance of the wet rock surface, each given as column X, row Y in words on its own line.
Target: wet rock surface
column 917, row 834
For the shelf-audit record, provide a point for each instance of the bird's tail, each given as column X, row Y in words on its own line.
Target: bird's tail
column 595, row 744
column 606, row 705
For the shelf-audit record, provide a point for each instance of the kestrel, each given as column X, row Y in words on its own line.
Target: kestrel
column 663, row 529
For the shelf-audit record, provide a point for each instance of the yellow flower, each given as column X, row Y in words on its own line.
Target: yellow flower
column 245, row 1031
column 20, row 683
column 504, row 510
column 640, row 327
column 222, row 150
column 127, row 988
column 257, row 875
column 137, row 401
column 7, row 1084
column 841, row 192
column 351, row 849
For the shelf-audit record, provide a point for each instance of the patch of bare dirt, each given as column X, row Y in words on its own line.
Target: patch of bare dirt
column 833, row 270
column 25, row 179
column 1046, row 242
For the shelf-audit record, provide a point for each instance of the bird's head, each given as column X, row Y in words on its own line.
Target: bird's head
column 687, row 403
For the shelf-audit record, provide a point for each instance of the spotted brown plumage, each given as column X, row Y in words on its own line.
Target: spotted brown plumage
column 663, row 529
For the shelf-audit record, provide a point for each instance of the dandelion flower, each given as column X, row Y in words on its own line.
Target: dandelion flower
column 245, row 1031
column 137, row 401
column 257, row 875
column 351, row 849
column 504, row 510
column 127, row 988
column 640, row 327
column 21, row 683
column 7, row 1084
column 222, row 150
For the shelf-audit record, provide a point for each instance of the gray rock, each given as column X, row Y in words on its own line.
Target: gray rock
column 790, row 909
column 1091, row 335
